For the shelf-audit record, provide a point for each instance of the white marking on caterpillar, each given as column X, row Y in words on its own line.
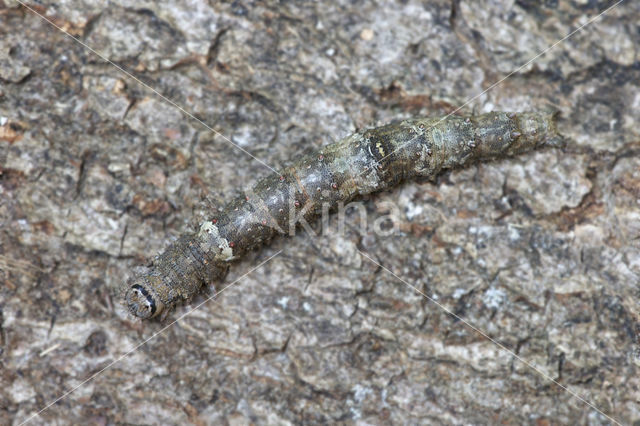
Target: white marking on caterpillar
column 209, row 231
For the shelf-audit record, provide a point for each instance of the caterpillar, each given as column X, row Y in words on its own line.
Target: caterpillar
column 365, row 162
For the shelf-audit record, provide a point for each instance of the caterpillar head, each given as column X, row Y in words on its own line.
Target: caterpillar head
column 142, row 300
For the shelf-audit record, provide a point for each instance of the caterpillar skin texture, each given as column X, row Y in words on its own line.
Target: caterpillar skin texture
column 365, row 162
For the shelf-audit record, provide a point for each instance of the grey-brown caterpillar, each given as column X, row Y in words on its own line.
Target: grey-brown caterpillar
column 365, row 162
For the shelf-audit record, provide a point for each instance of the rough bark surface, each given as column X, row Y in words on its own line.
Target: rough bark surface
column 541, row 252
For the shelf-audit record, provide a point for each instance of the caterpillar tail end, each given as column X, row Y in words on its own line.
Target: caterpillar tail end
column 538, row 129
column 553, row 138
